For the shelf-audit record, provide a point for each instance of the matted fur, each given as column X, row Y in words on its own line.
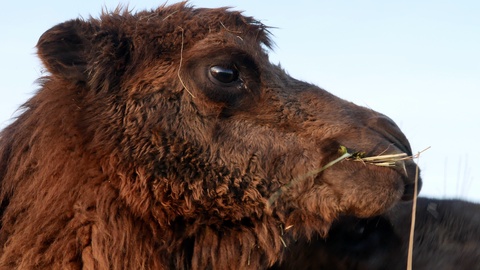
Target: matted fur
column 136, row 154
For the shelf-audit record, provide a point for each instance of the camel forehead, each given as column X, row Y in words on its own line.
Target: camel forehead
column 163, row 25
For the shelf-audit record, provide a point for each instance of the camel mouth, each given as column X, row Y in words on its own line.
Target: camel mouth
column 392, row 176
column 403, row 165
column 400, row 162
column 355, row 188
column 370, row 185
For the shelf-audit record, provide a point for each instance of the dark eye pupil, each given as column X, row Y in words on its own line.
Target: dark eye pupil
column 224, row 75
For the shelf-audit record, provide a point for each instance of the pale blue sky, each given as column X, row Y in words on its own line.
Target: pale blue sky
column 415, row 61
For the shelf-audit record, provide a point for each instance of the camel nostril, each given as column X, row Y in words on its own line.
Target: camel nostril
column 390, row 131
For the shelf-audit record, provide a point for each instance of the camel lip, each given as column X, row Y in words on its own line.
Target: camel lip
column 411, row 172
column 409, row 190
column 411, row 179
column 408, row 175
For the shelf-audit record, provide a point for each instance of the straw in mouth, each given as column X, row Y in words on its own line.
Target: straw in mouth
column 390, row 160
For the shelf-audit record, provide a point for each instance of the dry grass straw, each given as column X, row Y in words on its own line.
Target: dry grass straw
column 391, row 160
column 180, row 65
column 414, row 211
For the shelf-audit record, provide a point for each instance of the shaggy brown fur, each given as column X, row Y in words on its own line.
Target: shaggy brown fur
column 158, row 137
column 447, row 236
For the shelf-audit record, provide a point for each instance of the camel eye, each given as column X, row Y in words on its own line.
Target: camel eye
column 223, row 74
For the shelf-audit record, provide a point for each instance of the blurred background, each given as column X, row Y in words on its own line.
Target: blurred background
column 416, row 61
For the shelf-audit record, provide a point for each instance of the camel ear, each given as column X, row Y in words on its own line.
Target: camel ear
column 80, row 51
column 63, row 49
